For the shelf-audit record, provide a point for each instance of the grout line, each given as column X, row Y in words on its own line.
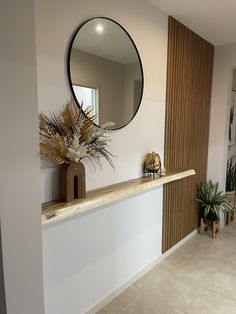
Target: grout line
column 220, row 294
column 200, row 293
column 126, row 305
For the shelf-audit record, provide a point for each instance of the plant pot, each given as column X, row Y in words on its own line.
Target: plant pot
column 210, row 216
column 72, row 181
column 211, row 220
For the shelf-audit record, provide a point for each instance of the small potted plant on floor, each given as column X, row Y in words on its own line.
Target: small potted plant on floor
column 230, row 185
column 211, row 203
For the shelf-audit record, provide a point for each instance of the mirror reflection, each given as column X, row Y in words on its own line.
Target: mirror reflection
column 105, row 71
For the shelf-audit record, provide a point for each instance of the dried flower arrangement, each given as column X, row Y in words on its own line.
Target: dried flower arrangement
column 72, row 135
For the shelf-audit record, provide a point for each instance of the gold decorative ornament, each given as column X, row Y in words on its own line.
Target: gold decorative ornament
column 152, row 164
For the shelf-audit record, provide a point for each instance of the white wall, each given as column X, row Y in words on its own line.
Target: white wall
column 146, row 132
column 224, row 62
column 132, row 73
column 87, row 258
column 232, row 148
column 20, row 210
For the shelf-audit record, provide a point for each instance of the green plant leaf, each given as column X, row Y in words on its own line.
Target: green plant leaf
column 212, row 200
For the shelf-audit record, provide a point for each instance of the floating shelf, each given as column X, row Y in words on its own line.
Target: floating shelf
column 56, row 211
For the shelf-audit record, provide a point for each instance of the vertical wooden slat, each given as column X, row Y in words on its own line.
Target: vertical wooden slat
column 189, row 79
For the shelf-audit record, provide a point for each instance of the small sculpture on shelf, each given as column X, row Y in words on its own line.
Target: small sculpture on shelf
column 152, row 165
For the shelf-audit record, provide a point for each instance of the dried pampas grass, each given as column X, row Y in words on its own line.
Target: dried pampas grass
column 72, row 135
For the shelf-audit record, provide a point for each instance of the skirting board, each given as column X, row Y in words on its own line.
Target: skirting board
column 107, row 299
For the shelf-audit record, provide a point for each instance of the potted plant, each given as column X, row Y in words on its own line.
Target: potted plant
column 231, row 180
column 69, row 137
column 211, row 203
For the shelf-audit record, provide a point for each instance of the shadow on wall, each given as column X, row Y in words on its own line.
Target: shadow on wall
column 2, row 289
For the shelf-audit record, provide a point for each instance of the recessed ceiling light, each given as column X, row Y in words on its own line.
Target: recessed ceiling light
column 99, row 28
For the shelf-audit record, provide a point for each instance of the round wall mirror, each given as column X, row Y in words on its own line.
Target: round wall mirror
column 105, row 71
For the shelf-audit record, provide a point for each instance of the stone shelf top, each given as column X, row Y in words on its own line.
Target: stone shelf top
column 57, row 211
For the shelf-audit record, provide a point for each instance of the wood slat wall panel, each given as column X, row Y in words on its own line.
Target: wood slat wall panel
column 189, row 80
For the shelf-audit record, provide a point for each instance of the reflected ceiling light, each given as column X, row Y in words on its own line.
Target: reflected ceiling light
column 99, row 28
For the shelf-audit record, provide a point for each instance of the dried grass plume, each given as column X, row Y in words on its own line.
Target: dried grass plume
column 72, row 135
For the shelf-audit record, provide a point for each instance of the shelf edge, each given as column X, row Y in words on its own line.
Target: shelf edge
column 135, row 187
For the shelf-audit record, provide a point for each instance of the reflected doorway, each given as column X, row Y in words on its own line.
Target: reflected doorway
column 89, row 97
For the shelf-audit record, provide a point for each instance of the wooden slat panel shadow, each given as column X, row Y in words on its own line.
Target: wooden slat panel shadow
column 188, row 97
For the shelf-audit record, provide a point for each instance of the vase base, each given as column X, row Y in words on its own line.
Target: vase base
column 72, row 181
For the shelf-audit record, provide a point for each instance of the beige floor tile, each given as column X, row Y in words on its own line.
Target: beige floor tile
column 101, row 312
column 156, row 274
column 199, row 277
column 211, row 303
column 175, row 291
column 230, row 264
column 221, row 239
column 232, row 255
column 121, row 301
column 224, row 282
column 200, row 270
column 171, row 260
column 149, row 304
column 213, row 248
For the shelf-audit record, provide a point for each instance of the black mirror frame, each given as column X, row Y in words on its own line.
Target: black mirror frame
column 69, row 55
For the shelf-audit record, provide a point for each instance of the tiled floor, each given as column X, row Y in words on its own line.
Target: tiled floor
column 199, row 277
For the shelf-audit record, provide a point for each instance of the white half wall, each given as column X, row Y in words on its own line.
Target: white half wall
column 87, row 258
column 20, row 210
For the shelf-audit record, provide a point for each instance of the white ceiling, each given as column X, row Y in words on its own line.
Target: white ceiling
column 214, row 20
